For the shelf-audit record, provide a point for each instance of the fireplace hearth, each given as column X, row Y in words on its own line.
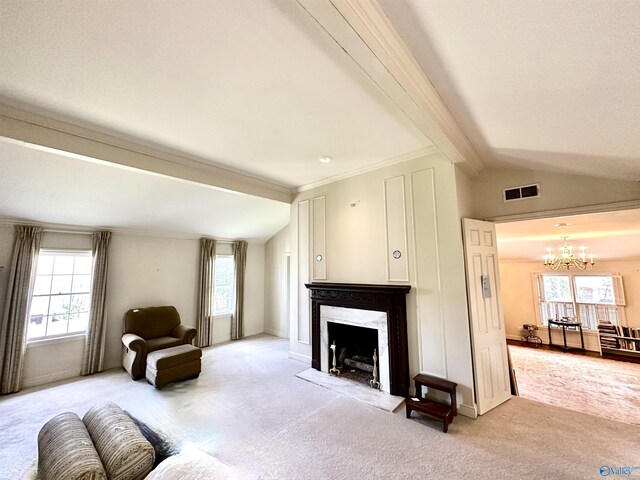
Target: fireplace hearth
column 378, row 308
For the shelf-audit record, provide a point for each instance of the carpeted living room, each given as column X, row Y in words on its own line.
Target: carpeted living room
column 261, row 239
column 250, row 412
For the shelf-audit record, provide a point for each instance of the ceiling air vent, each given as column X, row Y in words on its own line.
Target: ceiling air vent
column 521, row 193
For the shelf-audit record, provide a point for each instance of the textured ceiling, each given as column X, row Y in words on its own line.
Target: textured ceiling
column 551, row 85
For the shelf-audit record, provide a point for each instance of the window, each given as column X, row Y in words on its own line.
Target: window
column 591, row 299
column 224, row 292
column 61, row 296
column 594, row 289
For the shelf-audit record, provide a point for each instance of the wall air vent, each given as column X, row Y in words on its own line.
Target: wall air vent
column 521, row 193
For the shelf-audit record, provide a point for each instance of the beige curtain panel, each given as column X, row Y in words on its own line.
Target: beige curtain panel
column 16, row 310
column 240, row 263
column 93, row 358
column 205, row 291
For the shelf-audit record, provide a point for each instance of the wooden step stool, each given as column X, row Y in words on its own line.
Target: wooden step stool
column 431, row 407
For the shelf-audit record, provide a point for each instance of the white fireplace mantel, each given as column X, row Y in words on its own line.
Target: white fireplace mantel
column 358, row 318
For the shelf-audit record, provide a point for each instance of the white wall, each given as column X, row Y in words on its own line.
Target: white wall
column 464, row 190
column 254, row 290
column 520, row 303
column 277, row 258
column 426, row 217
column 149, row 271
column 143, row 271
column 558, row 191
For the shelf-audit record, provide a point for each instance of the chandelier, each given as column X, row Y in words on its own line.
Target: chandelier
column 567, row 259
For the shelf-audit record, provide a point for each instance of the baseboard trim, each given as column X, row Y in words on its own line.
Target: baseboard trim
column 469, row 411
column 570, row 344
column 217, row 340
column 463, row 409
column 300, row 358
column 275, row 333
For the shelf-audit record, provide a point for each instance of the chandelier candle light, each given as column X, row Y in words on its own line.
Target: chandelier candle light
column 567, row 259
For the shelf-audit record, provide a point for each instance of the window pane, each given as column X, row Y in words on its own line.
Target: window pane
column 223, row 299
column 81, row 283
column 79, row 304
column 37, row 327
column 57, row 326
column 61, row 284
column 42, row 285
column 83, row 265
column 78, row 322
column 556, row 288
column 59, row 306
column 224, row 270
column 45, row 264
column 39, row 306
column 594, row 289
column 63, row 264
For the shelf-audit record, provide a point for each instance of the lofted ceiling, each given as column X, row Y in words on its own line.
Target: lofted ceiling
column 255, row 86
column 547, row 85
column 254, row 92
column 608, row 235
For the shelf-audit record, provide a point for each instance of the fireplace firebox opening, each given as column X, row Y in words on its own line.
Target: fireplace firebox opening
column 355, row 348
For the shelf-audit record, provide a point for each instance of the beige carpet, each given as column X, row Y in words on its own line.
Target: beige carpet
column 249, row 410
column 598, row 386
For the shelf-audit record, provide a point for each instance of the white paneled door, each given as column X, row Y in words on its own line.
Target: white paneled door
column 488, row 338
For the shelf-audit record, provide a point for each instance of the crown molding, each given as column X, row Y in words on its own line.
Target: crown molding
column 128, row 232
column 364, row 32
column 423, row 152
column 44, row 132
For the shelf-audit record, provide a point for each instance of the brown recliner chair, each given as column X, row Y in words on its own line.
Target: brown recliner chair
column 146, row 330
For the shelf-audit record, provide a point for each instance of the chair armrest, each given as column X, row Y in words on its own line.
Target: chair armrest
column 184, row 332
column 134, row 342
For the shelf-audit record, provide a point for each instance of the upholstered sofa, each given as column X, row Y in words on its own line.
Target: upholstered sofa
column 147, row 330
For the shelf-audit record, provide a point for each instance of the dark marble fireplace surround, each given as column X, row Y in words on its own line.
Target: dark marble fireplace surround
column 382, row 298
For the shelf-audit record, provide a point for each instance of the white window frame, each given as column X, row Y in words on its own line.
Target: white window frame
column 619, row 303
column 75, row 333
column 232, row 285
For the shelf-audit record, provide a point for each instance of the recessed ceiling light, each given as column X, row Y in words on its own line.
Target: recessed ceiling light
column 325, row 159
column 561, row 224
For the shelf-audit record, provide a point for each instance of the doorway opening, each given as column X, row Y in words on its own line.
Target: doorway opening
column 568, row 328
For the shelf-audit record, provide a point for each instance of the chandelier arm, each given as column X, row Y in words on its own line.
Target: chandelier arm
column 567, row 259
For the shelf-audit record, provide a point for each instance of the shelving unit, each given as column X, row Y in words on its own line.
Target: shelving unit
column 619, row 340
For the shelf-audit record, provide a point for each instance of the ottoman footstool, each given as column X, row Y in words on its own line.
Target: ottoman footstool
column 173, row 364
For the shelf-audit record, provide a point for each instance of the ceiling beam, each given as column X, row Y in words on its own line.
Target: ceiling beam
column 68, row 139
column 364, row 32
